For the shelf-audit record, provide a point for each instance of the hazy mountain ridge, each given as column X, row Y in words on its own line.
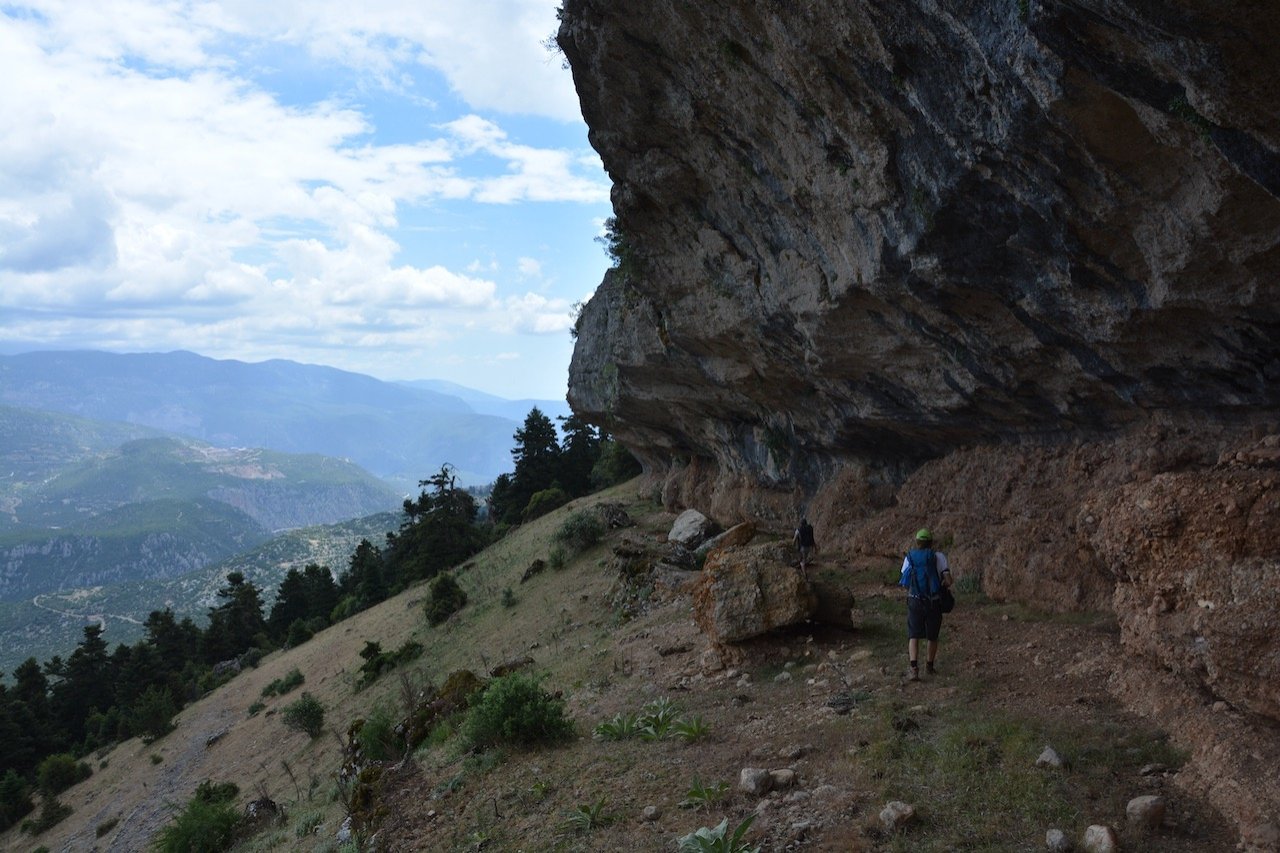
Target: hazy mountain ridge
column 398, row 431
column 51, row 623
column 82, row 514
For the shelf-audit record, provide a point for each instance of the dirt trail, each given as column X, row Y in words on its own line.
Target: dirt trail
column 773, row 710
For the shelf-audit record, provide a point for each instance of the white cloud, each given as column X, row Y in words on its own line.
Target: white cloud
column 152, row 181
column 529, row 267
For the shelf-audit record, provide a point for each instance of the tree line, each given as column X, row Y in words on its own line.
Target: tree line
column 60, row 711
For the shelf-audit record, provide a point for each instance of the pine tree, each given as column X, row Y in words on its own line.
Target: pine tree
column 580, row 450
column 236, row 624
column 537, row 460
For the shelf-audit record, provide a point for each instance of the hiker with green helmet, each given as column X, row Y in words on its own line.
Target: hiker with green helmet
column 924, row 573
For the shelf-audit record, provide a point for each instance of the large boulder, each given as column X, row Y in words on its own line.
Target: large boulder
column 749, row 591
column 692, row 528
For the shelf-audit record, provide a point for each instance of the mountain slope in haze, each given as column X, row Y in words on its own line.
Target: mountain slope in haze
column 398, row 432
column 488, row 404
column 78, row 513
column 49, row 624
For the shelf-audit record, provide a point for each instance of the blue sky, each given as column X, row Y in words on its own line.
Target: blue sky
column 396, row 187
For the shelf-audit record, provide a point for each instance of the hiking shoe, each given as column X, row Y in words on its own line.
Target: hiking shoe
column 914, row 674
column 930, row 669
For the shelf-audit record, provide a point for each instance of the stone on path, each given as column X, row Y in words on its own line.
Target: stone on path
column 1100, row 839
column 1055, row 840
column 1049, row 758
column 896, row 815
column 755, row 781
column 1147, row 811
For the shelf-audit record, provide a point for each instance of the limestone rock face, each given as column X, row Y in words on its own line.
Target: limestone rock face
column 691, row 529
column 864, row 230
column 1010, row 271
column 746, row 592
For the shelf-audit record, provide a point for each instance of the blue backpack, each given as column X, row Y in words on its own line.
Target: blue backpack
column 923, row 579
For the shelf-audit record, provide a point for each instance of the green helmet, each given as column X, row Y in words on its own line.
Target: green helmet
column 923, row 535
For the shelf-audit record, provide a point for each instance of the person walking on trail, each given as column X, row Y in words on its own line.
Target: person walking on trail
column 924, row 573
column 805, row 543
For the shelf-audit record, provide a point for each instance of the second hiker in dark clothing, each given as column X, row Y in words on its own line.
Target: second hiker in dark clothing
column 805, row 543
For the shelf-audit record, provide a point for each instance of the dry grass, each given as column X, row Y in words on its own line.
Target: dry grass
column 1006, row 687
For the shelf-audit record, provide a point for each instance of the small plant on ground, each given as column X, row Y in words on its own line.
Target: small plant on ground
column 704, row 796
column 377, row 736
column 446, row 599
column 256, row 708
column 377, row 662
column 51, row 814
column 619, row 727
column 206, row 824
column 657, row 718
column 156, row 758
column 508, row 598
column 584, row 819
column 515, row 709
column 691, row 730
column 292, row 679
column 305, row 715
column 719, row 839
column 580, row 531
column 106, row 826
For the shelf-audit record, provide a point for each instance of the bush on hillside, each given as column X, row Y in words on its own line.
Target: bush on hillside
column 299, row 633
column 305, row 715
column 59, row 772
column 15, row 799
column 152, row 714
column 544, row 501
column 52, row 813
column 580, row 531
column 206, row 825
column 446, row 599
column 514, row 709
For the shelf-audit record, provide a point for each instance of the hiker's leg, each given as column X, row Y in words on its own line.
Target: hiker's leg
column 913, row 650
column 933, row 651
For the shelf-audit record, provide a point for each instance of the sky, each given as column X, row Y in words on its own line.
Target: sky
column 401, row 188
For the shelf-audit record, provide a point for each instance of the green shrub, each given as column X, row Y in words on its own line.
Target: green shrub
column 206, row 825
column 52, row 813
column 15, row 799
column 305, row 715
column 256, row 708
column 508, row 597
column 580, row 531
column 59, row 772
column 541, row 503
column 106, row 826
column 377, row 736
column 515, row 709
column 446, row 599
column 299, row 633
column 282, row 685
column 152, row 714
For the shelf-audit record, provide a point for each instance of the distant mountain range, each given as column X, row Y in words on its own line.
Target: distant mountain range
column 52, row 623
column 401, row 432
column 76, row 511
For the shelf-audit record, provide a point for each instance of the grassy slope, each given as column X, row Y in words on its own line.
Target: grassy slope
column 961, row 747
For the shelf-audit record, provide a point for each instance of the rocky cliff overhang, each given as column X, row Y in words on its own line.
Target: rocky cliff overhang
column 1009, row 269
column 877, row 231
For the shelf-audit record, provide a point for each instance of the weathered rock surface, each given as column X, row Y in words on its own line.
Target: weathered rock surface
column 746, row 592
column 1008, row 271
column 691, row 529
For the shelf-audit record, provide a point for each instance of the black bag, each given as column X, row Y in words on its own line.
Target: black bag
column 946, row 601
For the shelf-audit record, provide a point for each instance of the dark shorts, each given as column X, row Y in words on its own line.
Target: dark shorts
column 924, row 619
